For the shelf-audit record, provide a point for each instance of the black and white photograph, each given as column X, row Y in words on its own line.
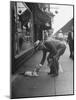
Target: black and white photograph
column 42, row 49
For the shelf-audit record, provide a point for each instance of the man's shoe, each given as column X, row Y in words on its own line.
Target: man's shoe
column 54, row 75
column 50, row 73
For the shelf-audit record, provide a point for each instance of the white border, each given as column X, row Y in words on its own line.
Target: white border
column 5, row 48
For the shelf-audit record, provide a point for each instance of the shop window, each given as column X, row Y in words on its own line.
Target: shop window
column 24, row 28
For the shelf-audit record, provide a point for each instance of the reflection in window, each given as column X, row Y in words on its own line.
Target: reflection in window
column 23, row 36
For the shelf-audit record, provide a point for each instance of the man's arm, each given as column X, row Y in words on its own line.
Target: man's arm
column 43, row 58
column 41, row 63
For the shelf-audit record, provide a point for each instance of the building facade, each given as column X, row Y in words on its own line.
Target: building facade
column 28, row 22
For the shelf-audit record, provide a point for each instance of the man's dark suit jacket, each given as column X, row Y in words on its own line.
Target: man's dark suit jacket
column 70, row 41
column 53, row 47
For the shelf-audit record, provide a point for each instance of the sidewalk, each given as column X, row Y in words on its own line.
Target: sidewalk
column 44, row 85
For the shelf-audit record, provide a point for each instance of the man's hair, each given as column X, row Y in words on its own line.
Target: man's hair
column 37, row 44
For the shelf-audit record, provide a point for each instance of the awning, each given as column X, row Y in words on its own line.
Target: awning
column 41, row 17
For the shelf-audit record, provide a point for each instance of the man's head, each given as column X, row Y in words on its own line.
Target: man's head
column 38, row 45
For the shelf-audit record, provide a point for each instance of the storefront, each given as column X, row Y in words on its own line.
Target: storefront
column 28, row 23
column 21, row 33
column 24, row 29
column 40, row 19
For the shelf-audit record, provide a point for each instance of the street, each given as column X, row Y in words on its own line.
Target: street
column 44, row 85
